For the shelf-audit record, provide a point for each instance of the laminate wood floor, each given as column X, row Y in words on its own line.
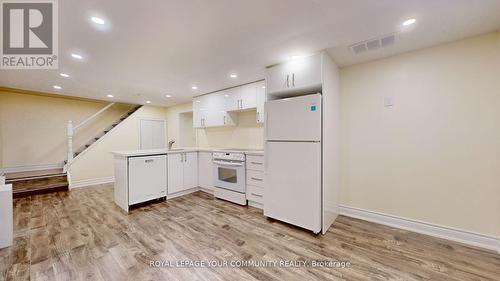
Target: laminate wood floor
column 82, row 235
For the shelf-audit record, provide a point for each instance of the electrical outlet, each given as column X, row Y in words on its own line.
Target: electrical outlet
column 388, row 102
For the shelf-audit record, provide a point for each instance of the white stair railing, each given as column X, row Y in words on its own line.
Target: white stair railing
column 70, row 129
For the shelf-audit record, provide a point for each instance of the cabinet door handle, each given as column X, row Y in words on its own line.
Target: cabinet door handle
column 293, row 80
column 257, row 179
column 224, row 119
column 256, row 195
column 256, row 163
column 288, row 80
column 149, row 161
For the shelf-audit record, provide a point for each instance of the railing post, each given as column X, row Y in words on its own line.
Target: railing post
column 69, row 130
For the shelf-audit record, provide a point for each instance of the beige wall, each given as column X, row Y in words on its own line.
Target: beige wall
column 435, row 155
column 173, row 121
column 33, row 127
column 247, row 134
column 97, row 163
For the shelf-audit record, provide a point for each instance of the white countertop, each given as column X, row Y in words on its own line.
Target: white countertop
column 146, row 152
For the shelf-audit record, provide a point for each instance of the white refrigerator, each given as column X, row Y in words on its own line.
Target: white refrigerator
column 293, row 161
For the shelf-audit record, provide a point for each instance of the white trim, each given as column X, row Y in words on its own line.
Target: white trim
column 206, row 190
column 29, row 168
column 85, row 183
column 445, row 232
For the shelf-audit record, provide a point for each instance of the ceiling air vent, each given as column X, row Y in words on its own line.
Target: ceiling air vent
column 373, row 44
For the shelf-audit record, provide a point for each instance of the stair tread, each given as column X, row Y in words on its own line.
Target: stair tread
column 40, row 183
column 8, row 181
column 30, row 174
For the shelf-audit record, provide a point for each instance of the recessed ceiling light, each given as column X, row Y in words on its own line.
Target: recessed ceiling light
column 57, row 87
column 409, row 22
column 77, row 56
column 198, row 101
column 148, row 101
column 194, row 87
column 64, row 75
column 226, row 96
column 97, row 20
column 233, row 75
column 110, row 96
column 263, row 87
column 168, row 96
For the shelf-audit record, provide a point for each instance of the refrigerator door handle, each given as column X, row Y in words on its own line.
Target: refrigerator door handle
column 288, row 80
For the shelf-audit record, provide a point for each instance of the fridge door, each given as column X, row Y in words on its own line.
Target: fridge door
column 294, row 119
column 292, row 190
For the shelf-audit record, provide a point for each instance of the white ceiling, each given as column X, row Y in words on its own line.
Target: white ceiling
column 157, row 47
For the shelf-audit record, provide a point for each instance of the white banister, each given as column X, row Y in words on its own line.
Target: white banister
column 70, row 129
column 93, row 116
column 69, row 132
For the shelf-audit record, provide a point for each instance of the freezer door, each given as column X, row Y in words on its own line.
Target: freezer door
column 147, row 178
column 294, row 119
column 292, row 190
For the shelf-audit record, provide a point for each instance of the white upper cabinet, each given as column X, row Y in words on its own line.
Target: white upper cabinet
column 219, row 109
column 217, row 113
column 200, row 112
column 260, row 100
column 248, row 96
column 301, row 74
column 232, row 99
column 241, row 98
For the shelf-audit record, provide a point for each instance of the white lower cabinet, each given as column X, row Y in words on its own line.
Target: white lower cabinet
column 255, row 179
column 205, row 170
column 182, row 171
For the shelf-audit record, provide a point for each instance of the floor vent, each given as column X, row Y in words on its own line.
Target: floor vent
column 373, row 44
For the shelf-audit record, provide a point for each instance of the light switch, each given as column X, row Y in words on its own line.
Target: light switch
column 388, row 101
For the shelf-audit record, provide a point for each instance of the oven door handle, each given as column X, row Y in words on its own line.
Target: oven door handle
column 227, row 164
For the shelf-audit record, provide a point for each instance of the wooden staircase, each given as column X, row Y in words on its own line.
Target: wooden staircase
column 37, row 182
column 55, row 180
column 103, row 133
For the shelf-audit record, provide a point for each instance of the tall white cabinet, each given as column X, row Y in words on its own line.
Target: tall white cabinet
column 309, row 75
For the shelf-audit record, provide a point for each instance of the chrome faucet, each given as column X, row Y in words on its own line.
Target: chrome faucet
column 170, row 143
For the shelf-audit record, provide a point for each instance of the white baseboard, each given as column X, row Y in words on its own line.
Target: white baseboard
column 255, row 204
column 29, row 168
column 206, row 190
column 182, row 193
column 445, row 232
column 85, row 183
